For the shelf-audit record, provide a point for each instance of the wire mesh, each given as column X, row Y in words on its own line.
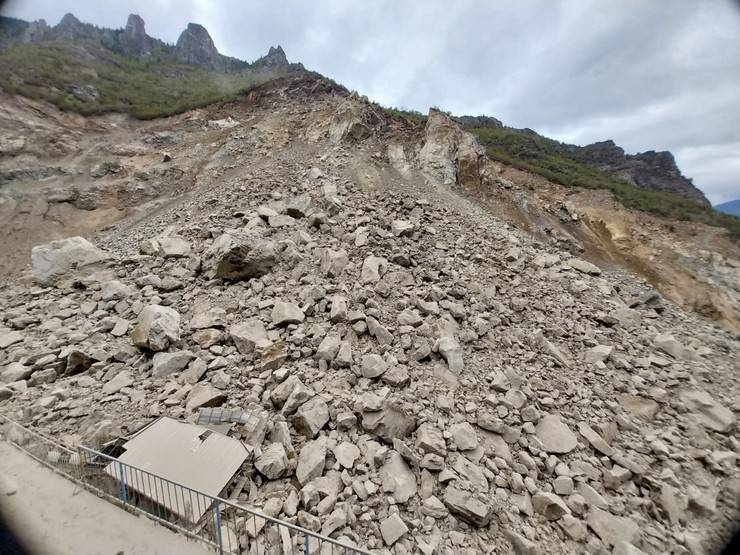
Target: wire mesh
column 225, row 526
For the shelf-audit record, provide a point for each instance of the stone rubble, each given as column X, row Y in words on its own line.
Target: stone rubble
column 427, row 378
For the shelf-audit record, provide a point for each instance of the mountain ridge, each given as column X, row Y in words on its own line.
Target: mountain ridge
column 731, row 207
column 159, row 68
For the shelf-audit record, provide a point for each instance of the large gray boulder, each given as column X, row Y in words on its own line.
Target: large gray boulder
column 239, row 256
column 156, row 328
column 57, row 259
column 467, row 506
column 249, row 335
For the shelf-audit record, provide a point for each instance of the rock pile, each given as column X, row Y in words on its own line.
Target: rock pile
column 427, row 378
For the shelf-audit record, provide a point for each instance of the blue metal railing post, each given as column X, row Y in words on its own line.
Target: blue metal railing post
column 122, row 484
column 305, row 544
column 217, row 520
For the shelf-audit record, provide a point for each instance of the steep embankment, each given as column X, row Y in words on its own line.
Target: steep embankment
column 423, row 375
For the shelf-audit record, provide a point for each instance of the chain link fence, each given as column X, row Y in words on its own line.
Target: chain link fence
column 224, row 526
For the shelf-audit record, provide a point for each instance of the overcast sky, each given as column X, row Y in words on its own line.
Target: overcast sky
column 652, row 75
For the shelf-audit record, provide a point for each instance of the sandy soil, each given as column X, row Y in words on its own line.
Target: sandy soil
column 54, row 516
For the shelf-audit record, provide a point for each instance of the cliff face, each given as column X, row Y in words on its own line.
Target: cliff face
column 195, row 46
column 650, row 170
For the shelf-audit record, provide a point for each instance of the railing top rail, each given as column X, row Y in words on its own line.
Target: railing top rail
column 220, row 500
column 40, row 435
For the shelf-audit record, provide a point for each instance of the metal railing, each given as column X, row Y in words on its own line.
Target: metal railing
column 224, row 526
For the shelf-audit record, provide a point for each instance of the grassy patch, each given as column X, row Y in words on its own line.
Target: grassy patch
column 410, row 115
column 146, row 88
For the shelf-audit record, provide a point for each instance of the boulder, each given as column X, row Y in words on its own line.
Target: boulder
column 401, row 228
column 77, row 362
column 286, row 313
column 373, row 366
column 299, row 206
column 388, row 423
column 14, row 372
column 332, row 263
column 311, row 417
column 164, row 364
column 9, row 337
column 707, row 411
column 311, row 461
column 467, row 506
column 346, row 454
column 272, row 462
column 554, row 435
column 612, row 529
column 430, row 440
column 329, row 347
column 584, row 266
column 156, row 328
column 464, row 436
column 52, row 261
column 549, row 505
column 173, row 247
column 204, row 395
column 119, row 381
column 393, row 529
column 249, row 335
column 237, row 256
column 398, row 479
column 373, row 268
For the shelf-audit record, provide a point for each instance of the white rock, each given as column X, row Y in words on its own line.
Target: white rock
column 464, row 436
column 555, row 435
column 393, row 529
column 54, row 260
column 156, row 328
column 286, row 313
column 173, row 247
column 239, row 256
column 248, row 335
column 373, row 366
column 272, row 462
column 311, row 461
column 346, row 454
column 119, row 381
column 164, row 364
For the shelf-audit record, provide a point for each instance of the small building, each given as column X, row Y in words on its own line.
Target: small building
column 168, row 462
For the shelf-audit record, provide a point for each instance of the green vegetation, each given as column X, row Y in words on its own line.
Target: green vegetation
column 552, row 160
column 410, row 115
column 62, row 73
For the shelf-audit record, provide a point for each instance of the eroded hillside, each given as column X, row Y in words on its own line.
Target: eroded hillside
column 432, row 360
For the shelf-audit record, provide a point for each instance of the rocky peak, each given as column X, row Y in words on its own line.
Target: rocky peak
column 603, row 152
column 135, row 26
column 195, row 46
column 35, row 31
column 649, row 170
column 70, row 27
column 480, row 121
column 134, row 40
column 275, row 57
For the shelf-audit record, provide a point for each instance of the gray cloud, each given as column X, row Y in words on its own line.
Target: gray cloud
column 650, row 75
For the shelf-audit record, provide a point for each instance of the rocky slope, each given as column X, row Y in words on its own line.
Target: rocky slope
column 428, row 375
column 651, row 170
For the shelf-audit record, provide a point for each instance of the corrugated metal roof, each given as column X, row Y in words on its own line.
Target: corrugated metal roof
column 184, row 453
